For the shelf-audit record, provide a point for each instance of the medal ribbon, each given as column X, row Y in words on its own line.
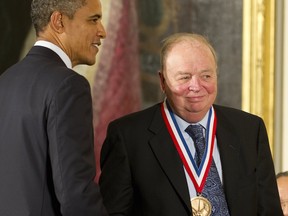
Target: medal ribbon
column 197, row 175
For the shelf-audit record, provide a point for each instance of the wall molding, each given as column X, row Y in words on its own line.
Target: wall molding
column 258, row 61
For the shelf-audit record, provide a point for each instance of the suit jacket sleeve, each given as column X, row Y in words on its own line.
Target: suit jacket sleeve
column 71, row 150
column 269, row 203
column 117, row 192
column 247, row 165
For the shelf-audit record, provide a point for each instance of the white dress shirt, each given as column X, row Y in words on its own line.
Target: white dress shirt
column 183, row 125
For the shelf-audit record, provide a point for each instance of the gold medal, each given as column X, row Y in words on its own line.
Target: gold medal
column 200, row 206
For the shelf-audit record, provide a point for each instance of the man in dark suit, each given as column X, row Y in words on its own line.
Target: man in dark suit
column 151, row 161
column 47, row 164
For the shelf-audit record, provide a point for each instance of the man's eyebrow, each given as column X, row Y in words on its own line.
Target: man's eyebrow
column 182, row 72
column 207, row 70
column 95, row 16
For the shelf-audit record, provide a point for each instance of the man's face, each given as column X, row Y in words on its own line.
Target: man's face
column 189, row 80
column 82, row 34
column 282, row 183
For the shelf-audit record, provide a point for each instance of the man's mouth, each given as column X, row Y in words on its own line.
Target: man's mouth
column 97, row 44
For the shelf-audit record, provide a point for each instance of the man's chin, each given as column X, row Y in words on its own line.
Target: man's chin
column 198, row 108
column 90, row 62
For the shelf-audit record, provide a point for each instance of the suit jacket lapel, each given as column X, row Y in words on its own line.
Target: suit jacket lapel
column 228, row 144
column 167, row 155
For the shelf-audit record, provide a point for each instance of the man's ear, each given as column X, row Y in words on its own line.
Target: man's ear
column 162, row 81
column 56, row 22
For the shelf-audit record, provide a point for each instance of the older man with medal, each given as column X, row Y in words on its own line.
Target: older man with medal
column 198, row 83
column 188, row 156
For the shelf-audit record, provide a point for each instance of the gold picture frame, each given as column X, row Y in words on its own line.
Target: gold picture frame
column 258, row 61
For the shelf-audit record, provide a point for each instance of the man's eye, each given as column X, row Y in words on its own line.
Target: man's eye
column 206, row 76
column 95, row 19
column 184, row 77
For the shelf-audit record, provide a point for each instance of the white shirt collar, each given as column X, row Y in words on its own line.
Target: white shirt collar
column 57, row 50
column 183, row 124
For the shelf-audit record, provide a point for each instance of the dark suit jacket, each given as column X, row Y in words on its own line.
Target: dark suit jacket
column 142, row 173
column 47, row 161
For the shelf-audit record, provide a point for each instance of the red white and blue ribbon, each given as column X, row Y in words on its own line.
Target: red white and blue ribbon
column 197, row 175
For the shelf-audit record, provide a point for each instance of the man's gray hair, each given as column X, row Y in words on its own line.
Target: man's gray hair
column 170, row 41
column 41, row 11
column 282, row 174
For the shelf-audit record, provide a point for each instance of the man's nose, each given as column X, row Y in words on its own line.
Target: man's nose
column 194, row 84
column 101, row 31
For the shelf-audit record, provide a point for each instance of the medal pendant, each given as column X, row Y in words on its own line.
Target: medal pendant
column 200, row 206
